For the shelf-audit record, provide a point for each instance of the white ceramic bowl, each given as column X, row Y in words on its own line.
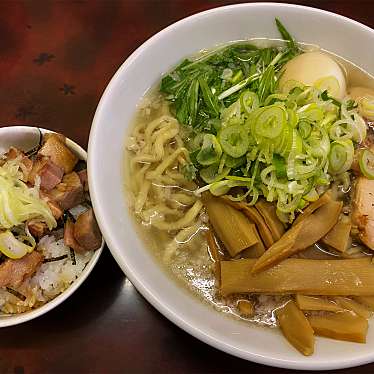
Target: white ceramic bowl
column 113, row 117
column 27, row 138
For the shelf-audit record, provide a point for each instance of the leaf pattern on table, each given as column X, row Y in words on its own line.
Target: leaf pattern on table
column 68, row 89
column 43, row 58
column 24, row 112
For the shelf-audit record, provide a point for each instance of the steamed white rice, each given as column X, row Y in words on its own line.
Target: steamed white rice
column 51, row 278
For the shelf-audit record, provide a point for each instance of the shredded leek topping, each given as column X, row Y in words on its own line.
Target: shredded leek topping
column 242, row 131
column 13, row 248
column 18, row 202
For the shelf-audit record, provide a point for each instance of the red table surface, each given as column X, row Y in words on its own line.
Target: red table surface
column 55, row 60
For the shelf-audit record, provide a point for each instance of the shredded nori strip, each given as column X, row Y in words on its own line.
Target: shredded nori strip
column 87, row 204
column 87, row 200
column 2, row 258
column 53, row 259
column 72, row 255
column 16, row 293
column 81, row 165
column 35, row 150
column 68, row 215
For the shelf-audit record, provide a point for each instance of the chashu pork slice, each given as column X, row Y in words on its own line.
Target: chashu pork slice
column 363, row 210
column 14, row 272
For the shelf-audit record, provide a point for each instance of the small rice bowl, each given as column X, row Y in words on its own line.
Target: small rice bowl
column 50, row 280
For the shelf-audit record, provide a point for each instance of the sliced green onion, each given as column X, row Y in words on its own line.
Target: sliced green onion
column 318, row 143
column 222, row 163
column 211, row 174
column 291, row 104
column 232, row 112
column 329, row 84
column 280, row 166
column 366, row 162
column 329, row 117
column 249, row 101
column 232, row 162
column 224, row 186
column 237, row 77
column 305, row 129
column 291, row 84
column 294, row 144
column 311, row 112
column 357, row 121
column 283, row 217
column 210, row 152
column 322, row 179
column 340, row 130
column 302, row 204
column 267, row 176
column 292, row 117
column 349, row 128
column 241, row 197
column 282, row 143
column 312, row 195
column 366, row 107
column 290, row 206
column 270, row 121
column 234, row 140
column 295, row 150
column 295, row 188
column 196, row 142
column 341, row 156
column 303, row 96
column 241, row 179
column 273, row 98
column 215, row 124
column 345, row 180
column 307, row 169
column 359, row 125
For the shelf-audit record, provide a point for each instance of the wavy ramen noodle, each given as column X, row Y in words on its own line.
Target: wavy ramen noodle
column 161, row 195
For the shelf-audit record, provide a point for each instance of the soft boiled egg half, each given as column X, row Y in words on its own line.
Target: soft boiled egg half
column 314, row 69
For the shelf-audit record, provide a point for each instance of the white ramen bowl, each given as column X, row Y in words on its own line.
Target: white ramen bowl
column 26, row 138
column 112, row 122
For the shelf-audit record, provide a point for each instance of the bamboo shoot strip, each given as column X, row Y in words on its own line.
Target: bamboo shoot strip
column 339, row 236
column 353, row 306
column 324, row 199
column 232, row 226
column 341, row 326
column 296, row 328
column 368, row 301
column 309, row 277
column 303, row 235
column 268, row 212
column 317, row 303
column 256, row 251
column 253, row 214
